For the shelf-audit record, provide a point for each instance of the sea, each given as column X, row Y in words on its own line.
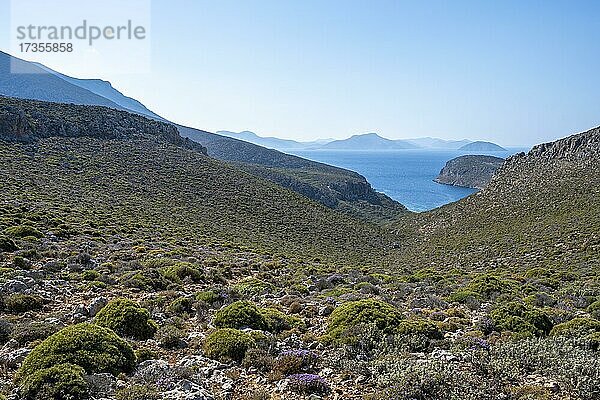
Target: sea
column 404, row 175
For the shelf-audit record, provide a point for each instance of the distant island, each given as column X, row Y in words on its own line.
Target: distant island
column 367, row 141
column 482, row 146
column 469, row 171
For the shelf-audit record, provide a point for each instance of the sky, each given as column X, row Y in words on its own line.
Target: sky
column 513, row 72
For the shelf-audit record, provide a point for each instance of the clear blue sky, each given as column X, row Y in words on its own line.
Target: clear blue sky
column 514, row 72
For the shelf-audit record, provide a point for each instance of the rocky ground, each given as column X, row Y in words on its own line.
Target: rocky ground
column 441, row 340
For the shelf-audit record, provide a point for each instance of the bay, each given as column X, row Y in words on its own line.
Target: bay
column 404, row 175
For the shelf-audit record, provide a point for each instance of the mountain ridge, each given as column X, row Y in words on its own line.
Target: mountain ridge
column 325, row 184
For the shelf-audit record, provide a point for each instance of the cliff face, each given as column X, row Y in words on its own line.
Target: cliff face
column 469, row 171
column 27, row 121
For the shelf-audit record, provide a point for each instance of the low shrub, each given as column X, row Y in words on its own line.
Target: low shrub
column 6, row 329
column 259, row 359
column 179, row 271
column 62, row 381
column 126, row 318
column 462, row 296
column 419, row 326
column 295, row 362
column 19, row 303
column 22, row 231
column 181, row 305
column 227, row 344
column 277, row 321
column 577, row 327
column 7, row 244
column 241, row 314
column 594, row 309
column 29, row 332
column 249, row 287
column 490, row 286
column 368, row 311
column 145, row 354
column 170, row 337
column 93, row 348
column 147, row 280
column 308, row 384
column 209, row 297
column 521, row 319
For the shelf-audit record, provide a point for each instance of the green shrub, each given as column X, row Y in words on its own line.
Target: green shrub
column 369, row 311
column 147, row 280
column 93, row 348
column 62, row 381
column 252, row 287
column 169, row 337
column 419, row 326
column 28, row 332
column 144, row 354
column 7, row 244
column 209, row 297
column 181, row 305
column 22, row 231
column 521, row 319
column 241, row 314
column 20, row 303
column 490, row 286
column 90, row 275
column 179, row 271
column 20, row 262
column 462, row 296
column 577, row 327
column 594, row 309
column 227, row 343
column 277, row 321
column 126, row 318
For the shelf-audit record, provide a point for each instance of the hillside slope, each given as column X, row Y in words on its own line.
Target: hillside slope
column 334, row 187
column 101, row 169
column 540, row 209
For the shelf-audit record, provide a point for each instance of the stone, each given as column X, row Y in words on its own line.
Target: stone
column 12, row 358
column 102, row 384
column 96, row 305
column 186, row 390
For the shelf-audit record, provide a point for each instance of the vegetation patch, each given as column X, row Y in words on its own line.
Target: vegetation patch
column 227, row 344
column 383, row 316
column 20, row 303
column 23, row 231
column 91, row 347
column 127, row 318
column 61, row 381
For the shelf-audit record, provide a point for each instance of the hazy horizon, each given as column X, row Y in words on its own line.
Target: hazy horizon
column 512, row 73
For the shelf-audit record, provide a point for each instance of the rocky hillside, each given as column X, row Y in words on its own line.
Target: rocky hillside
column 27, row 121
column 334, row 187
column 540, row 207
column 133, row 267
column 469, row 171
column 121, row 162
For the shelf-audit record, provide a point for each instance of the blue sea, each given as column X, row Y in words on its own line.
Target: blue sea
column 404, row 175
